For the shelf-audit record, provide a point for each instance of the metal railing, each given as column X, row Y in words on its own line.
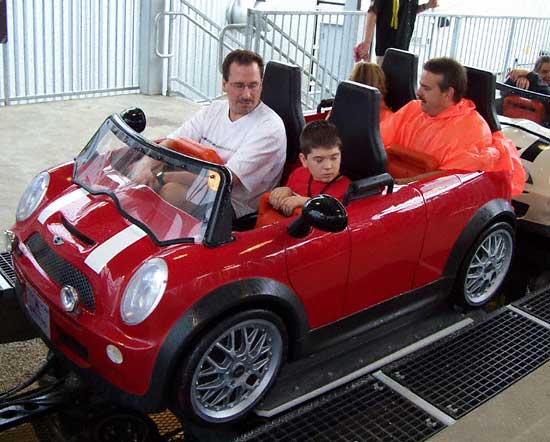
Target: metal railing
column 59, row 49
column 496, row 44
column 321, row 43
column 194, row 42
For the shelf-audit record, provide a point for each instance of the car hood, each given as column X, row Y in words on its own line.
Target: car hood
column 90, row 228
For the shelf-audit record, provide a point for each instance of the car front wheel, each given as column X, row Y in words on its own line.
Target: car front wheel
column 486, row 266
column 231, row 367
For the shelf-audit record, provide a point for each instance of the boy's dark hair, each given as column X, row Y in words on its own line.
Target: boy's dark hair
column 454, row 75
column 320, row 133
column 244, row 57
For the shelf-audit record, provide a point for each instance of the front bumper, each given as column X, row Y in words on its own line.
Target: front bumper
column 83, row 340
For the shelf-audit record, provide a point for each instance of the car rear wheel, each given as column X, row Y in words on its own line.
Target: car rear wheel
column 231, row 367
column 486, row 266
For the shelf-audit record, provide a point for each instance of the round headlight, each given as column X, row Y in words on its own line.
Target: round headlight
column 32, row 196
column 144, row 291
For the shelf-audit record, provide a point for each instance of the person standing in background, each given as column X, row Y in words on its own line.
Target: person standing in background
column 394, row 21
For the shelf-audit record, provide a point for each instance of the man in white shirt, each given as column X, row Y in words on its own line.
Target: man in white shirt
column 247, row 135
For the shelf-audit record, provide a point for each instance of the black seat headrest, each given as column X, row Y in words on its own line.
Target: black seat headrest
column 356, row 114
column 481, row 90
column 282, row 93
column 401, row 70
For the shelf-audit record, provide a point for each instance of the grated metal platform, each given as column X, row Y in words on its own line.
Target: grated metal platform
column 537, row 305
column 365, row 410
column 459, row 374
column 6, row 267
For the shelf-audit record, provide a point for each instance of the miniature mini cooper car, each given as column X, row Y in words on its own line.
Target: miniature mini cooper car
column 163, row 304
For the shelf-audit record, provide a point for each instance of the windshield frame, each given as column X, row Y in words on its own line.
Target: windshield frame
column 218, row 230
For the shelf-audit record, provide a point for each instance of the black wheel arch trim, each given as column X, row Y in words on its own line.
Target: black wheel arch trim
column 235, row 296
column 493, row 211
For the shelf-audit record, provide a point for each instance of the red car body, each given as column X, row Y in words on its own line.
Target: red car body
column 398, row 248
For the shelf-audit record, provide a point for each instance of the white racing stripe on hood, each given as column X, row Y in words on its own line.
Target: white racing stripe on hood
column 99, row 258
column 59, row 203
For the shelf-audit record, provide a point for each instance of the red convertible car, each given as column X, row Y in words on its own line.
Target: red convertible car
column 160, row 305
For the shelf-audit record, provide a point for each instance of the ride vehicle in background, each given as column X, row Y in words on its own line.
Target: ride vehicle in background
column 526, row 124
column 158, row 305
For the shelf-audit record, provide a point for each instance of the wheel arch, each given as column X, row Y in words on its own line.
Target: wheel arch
column 262, row 293
column 493, row 211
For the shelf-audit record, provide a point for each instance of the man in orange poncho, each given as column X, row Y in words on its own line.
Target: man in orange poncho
column 446, row 126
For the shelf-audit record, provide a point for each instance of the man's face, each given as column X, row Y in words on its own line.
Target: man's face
column 323, row 163
column 243, row 89
column 434, row 100
column 544, row 72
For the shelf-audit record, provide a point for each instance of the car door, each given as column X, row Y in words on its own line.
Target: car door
column 318, row 271
column 386, row 235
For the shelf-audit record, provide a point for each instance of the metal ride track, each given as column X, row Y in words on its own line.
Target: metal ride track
column 407, row 395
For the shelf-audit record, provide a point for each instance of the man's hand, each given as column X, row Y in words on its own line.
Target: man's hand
column 432, row 4
column 362, row 52
column 522, row 83
column 290, row 203
column 277, row 196
column 515, row 74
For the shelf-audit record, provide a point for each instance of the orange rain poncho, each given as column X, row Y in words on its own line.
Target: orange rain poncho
column 458, row 138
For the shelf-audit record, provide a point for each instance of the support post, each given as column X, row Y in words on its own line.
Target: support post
column 150, row 65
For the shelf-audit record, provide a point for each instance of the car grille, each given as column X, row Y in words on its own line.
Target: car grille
column 61, row 271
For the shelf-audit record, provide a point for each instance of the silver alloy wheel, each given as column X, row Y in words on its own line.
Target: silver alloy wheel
column 488, row 267
column 236, row 369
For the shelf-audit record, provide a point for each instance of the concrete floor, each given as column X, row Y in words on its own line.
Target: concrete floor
column 37, row 136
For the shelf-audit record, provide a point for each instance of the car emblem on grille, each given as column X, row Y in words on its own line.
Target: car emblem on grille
column 57, row 241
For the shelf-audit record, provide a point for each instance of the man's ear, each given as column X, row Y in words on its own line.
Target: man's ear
column 302, row 159
column 451, row 93
column 224, row 85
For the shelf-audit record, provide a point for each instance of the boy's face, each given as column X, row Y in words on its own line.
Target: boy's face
column 323, row 163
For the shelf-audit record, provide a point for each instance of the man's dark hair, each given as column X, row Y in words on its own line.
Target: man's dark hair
column 454, row 75
column 244, row 57
column 540, row 61
column 319, row 133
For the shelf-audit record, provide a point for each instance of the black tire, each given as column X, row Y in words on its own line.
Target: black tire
column 124, row 426
column 486, row 266
column 200, row 385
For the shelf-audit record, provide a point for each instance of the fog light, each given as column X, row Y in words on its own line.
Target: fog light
column 114, row 354
column 69, row 298
column 9, row 240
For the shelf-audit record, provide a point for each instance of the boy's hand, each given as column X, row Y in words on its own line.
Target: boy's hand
column 277, row 196
column 290, row 203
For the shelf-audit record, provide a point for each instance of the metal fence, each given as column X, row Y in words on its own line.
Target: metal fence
column 496, row 44
column 321, row 43
column 193, row 44
column 61, row 49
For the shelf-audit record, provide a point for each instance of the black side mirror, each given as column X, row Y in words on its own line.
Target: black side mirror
column 135, row 118
column 322, row 212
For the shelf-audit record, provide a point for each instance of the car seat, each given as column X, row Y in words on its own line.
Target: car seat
column 282, row 92
column 481, row 90
column 356, row 114
column 401, row 71
column 520, row 107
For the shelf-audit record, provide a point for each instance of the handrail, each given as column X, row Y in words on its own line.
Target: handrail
column 221, row 40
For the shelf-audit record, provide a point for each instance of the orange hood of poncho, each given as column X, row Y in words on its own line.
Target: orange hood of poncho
column 458, row 138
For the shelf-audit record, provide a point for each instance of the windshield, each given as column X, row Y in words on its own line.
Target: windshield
column 171, row 196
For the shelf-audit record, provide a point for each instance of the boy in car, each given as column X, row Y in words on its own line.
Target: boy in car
column 320, row 155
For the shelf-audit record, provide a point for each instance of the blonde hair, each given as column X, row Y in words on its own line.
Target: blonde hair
column 370, row 74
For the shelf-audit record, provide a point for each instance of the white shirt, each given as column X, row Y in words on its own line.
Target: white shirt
column 252, row 147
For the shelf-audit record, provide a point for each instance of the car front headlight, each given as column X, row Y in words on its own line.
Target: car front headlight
column 33, row 196
column 144, row 291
